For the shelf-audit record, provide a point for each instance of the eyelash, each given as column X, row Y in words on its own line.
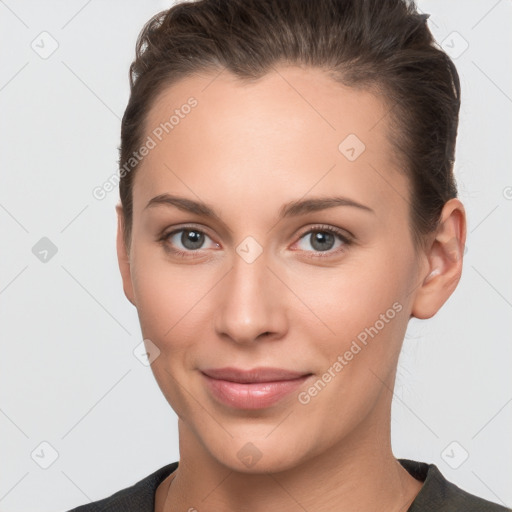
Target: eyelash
column 347, row 241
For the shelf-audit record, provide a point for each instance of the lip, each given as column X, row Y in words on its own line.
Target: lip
column 256, row 388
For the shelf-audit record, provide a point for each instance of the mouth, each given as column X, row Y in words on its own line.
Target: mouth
column 257, row 388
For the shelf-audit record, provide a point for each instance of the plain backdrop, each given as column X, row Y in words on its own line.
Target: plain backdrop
column 73, row 396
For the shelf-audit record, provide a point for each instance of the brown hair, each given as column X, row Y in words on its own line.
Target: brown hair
column 381, row 45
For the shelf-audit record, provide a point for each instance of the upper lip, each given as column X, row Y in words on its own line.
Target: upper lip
column 252, row 376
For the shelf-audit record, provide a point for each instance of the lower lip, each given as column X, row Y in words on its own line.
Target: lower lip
column 257, row 395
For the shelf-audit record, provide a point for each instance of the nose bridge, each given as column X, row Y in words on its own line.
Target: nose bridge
column 249, row 304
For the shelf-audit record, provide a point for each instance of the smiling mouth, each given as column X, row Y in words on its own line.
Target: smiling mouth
column 257, row 388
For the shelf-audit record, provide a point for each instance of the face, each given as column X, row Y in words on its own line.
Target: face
column 275, row 275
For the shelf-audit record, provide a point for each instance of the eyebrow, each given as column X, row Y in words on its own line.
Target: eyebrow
column 291, row 209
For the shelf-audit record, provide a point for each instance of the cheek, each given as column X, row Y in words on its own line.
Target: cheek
column 166, row 295
column 169, row 308
column 365, row 304
column 353, row 296
column 365, row 308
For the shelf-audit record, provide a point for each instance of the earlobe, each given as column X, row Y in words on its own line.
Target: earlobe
column 444, row 258
column 123, row 257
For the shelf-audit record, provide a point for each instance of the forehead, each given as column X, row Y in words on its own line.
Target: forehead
column 303, row 94
column 288, row 128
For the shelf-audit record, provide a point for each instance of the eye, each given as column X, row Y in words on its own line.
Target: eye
column 185, row 241
column 323, row 239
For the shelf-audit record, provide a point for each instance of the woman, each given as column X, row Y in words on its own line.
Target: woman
column 287, row 205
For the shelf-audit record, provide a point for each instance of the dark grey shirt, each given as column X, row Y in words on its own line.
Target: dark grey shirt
column 436, row 494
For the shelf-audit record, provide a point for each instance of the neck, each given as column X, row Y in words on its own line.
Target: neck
column 359, row 474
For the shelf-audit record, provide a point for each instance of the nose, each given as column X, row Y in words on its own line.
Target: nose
column 250, row 303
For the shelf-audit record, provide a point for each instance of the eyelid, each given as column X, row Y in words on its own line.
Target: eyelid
column 342, row 233
column 200, row 228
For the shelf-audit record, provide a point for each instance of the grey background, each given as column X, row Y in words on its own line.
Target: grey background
column 68, row 375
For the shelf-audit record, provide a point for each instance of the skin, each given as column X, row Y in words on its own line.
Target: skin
column 246, row 150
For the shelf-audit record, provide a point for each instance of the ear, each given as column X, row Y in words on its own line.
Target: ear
column 444, row 261
column 123, row 257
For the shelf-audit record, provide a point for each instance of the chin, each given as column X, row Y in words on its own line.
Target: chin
column 259, row 454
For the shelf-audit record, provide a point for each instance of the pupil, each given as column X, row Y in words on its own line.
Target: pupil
column 192, row 239
column 322, row 241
